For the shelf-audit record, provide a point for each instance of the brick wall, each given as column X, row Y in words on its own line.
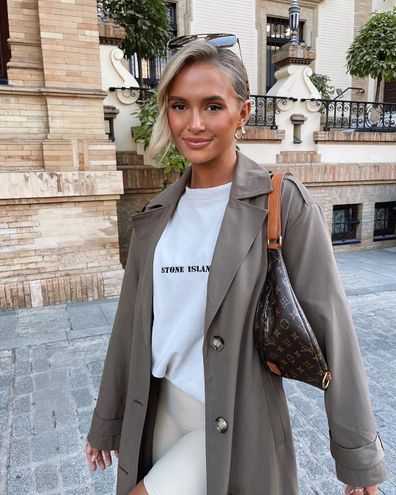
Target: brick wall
column 364, row 195
column 52, row 252
column 363, row 184
column 70, row 43
column 26, row 64
column 22, row 115
column 58, row 181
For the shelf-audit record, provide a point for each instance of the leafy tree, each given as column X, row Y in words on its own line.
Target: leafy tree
column 373, row 51
column 146, row 24
column 323, row 85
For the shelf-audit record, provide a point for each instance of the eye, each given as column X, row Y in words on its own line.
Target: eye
column 213, row 107
column 178, row 106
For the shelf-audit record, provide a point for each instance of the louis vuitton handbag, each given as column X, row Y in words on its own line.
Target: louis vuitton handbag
column 283, row 336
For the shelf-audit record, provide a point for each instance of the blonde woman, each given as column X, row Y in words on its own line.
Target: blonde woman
column 185, row 401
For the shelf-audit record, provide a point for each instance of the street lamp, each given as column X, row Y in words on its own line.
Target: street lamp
column 294, row 21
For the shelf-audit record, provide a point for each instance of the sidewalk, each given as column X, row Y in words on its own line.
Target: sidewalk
column 50, row 367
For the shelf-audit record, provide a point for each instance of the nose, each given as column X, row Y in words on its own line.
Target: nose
column 196, row 122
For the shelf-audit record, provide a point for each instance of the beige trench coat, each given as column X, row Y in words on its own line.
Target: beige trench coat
column 255, row 455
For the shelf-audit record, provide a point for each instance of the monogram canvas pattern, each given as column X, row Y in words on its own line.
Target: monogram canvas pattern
column 283, row 336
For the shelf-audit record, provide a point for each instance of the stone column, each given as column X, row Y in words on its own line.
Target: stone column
column 293, row 80
column 72, row 87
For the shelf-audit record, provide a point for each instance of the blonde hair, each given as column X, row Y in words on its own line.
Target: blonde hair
column 194, row 53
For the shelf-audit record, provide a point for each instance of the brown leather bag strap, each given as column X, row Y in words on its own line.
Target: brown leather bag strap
column 274, row 227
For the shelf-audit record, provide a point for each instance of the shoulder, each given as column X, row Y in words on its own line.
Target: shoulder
column 297, row 202
column 294, row 190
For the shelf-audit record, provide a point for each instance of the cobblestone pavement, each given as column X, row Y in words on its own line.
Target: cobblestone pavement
column 50, row 367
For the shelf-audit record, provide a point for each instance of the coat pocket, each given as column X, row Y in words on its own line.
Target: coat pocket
column 124, row 483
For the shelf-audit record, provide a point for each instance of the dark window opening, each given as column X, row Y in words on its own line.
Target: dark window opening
column 345, row 223
column 390, row 92
column 385, row 221
column 278, row 34
column 5, row 53
column 172, row 18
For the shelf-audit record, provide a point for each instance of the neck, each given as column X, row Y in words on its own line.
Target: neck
column 204, row 175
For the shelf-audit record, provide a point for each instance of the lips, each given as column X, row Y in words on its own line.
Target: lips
column 196, row 143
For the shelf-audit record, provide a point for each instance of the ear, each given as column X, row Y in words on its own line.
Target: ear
column 245, row 112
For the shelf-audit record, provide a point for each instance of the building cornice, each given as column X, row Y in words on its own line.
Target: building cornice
column 11, row 90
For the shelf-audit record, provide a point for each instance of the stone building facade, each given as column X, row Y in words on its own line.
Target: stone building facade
column 351, row 174
column 58, row 179
column 67, row 191
column 328, row 26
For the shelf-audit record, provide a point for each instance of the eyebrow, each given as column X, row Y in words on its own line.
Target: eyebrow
column 208, row 98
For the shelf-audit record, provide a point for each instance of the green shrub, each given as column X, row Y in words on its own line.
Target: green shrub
column 323, row 85
column 172, row 161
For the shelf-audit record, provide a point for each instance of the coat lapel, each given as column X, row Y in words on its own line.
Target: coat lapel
column 241, row 224
column 148, row 227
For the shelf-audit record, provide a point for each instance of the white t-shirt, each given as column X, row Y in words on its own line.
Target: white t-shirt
column 181, row 268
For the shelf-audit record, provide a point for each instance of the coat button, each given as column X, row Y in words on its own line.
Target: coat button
column 217, row 343
column 221, row 425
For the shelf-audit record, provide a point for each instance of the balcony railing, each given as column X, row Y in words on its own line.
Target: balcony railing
column 140, row 93
column 357, row 115
column 265, row 109
column 336, row 114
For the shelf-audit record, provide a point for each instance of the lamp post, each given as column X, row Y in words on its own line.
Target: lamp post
column 294, row 21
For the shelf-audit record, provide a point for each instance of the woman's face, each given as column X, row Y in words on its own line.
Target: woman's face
column 204, row 113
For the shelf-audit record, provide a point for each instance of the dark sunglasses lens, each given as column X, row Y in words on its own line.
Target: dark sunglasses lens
column 223, row 41
column 180, row 41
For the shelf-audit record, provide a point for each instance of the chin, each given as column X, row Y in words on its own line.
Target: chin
column 196, row 156
column 199, row 159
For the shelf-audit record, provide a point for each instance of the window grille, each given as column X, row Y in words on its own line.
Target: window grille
column 385, row 221
column 345, row 223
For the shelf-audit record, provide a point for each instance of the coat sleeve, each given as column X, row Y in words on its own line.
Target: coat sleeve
column 108, row 415
column 309, row 258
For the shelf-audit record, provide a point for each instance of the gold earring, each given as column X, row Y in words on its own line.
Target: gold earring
column 240, row 133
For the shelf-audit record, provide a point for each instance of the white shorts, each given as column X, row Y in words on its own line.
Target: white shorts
column 178, row 445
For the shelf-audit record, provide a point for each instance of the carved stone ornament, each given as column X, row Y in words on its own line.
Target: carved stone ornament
column 312, row 106
column 126, row 97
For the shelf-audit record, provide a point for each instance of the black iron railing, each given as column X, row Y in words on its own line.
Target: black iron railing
column 141, row 93
column 357, row 115
column 385, row 221
column 336, row 114
column 345, row 223
column 265, row 109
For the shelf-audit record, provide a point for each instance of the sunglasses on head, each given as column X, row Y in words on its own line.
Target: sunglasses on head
column 220, row 40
